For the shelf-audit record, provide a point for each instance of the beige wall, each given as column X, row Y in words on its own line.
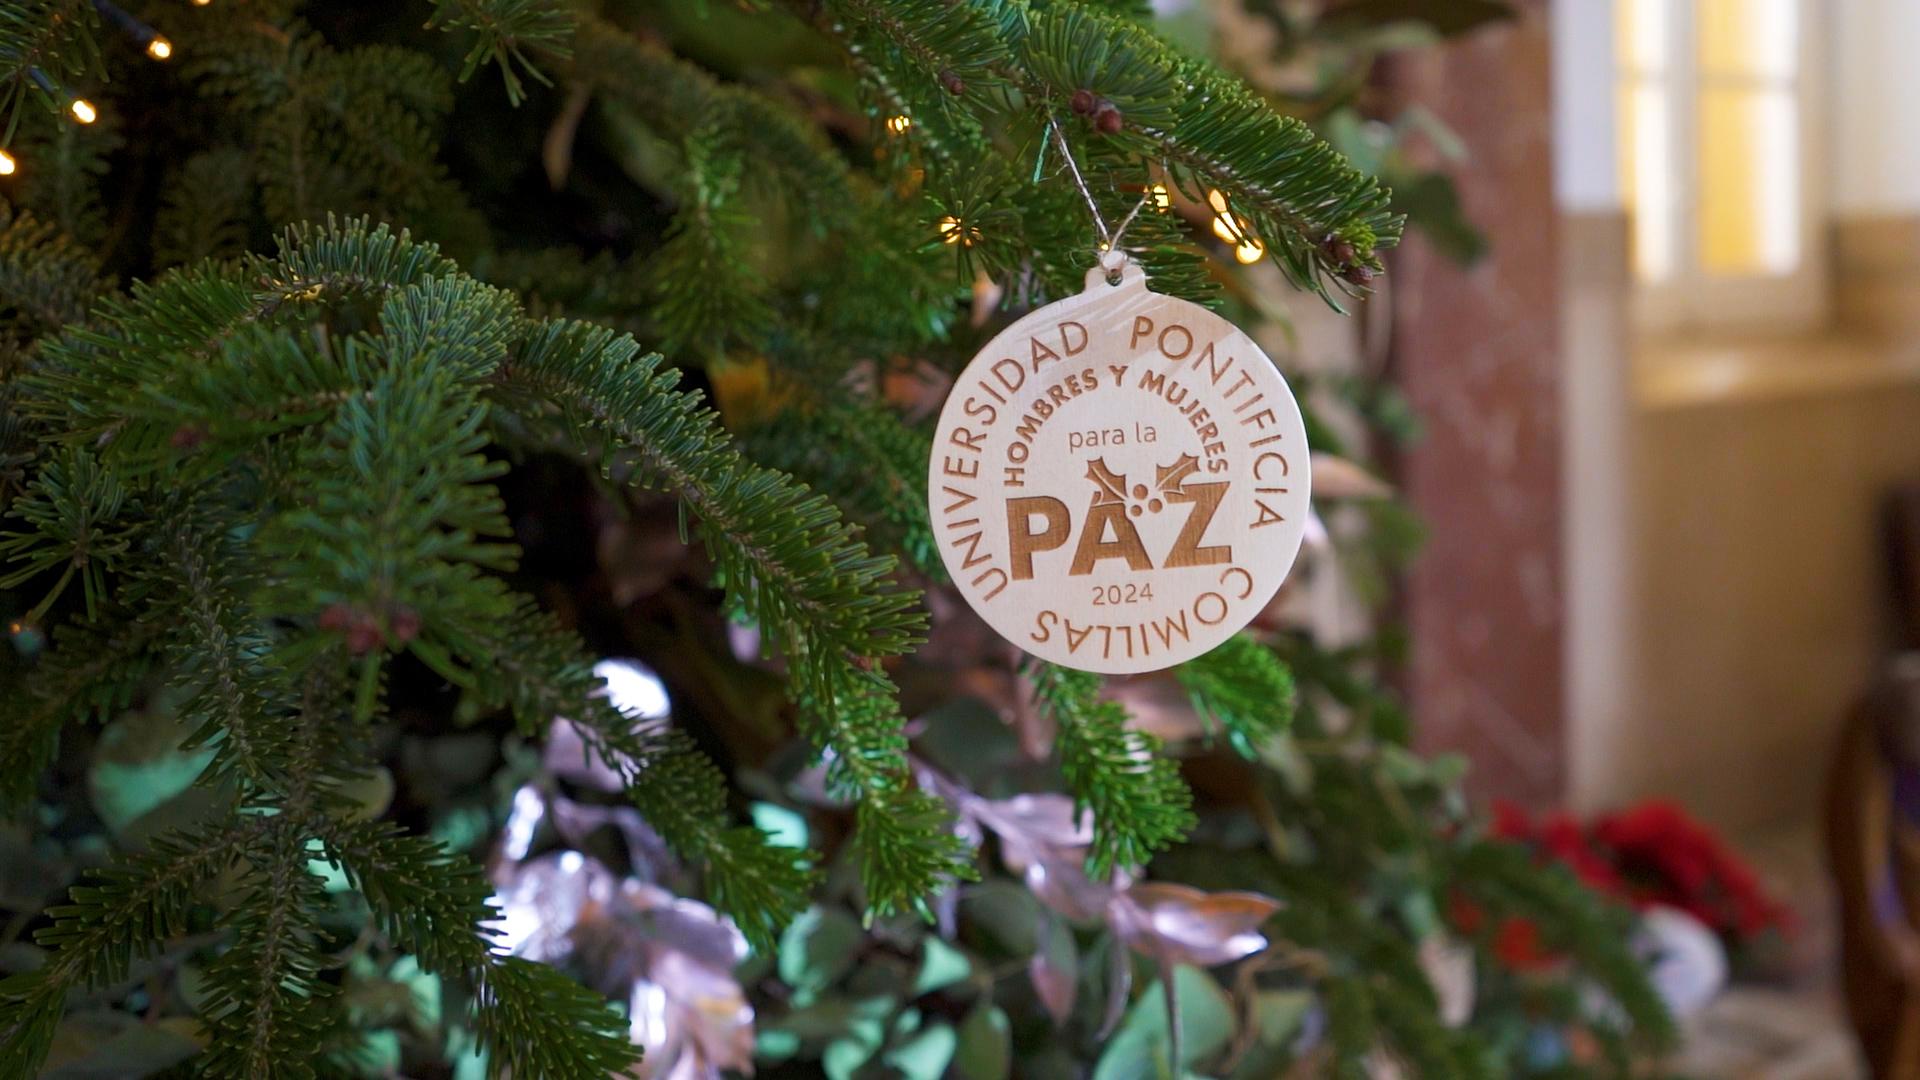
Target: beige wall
column 1725, row 577
column 1759, row 606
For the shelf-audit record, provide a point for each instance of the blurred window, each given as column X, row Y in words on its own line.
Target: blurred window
column 1715, row 162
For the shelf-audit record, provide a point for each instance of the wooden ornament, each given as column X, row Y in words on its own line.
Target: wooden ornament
column 1119, row 480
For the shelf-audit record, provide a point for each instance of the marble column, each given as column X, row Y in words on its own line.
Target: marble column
column 1477, row 350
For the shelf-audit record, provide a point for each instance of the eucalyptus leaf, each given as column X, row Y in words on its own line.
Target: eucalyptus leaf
column 1003, row 914
column 844, row 1058
column 1139, row 1050
column 1279, row 1018
column 986, row 1044
column 818, row 948
column 941, row 966
column 139, row 766
column 967, row 740
column 784, row 827
column 926, row 1055
column 116, row 1046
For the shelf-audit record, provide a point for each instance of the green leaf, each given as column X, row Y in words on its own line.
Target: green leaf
column 986, row 1044
column 844, row 1057
column 818, row 948
column 784, row 827
column 1139, row 1050
column 116, row 1046
column 1004, row 915
column 139, row 765
column 1279, row 1016
column 926, row 1055
column 941, row 966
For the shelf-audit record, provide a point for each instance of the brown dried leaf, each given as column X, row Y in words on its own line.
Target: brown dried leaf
column 1179, row 924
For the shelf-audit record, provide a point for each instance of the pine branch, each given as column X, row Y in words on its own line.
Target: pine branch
column 863, row 456
column 785, row 559
column 51, row 36
column 1137, row 798
column 265, row 1010
column 678, row 100
column 73, row 523
column 347, row 131
column 704, row 293
column 908, row 850
column 205, row 209
column 322, row 261
column 1241, row 687
column 46, row 279
column 542, row 672
column 125, row 912
column 237, row 705
column 86, row 381
column 92, row 669
column 534, row 1022
column 1296, row 192
column 782, row 552
column 1299, row 193
column 904, row 839
column 504, row 31
column 67, row 165
column 1572, row 918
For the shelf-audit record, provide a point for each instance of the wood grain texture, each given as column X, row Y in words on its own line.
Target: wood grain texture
column 1120, row 480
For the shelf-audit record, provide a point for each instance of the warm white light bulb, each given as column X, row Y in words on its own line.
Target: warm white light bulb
column 84, row 111
column 1161, row 199
column 159, row 48
column 1249, row 251
column 899, row 124
column 7, row 165
column 952, row 233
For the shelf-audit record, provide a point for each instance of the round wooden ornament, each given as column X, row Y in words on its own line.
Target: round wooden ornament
column 1119, row 480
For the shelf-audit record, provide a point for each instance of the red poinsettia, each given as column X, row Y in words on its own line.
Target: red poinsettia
column 1653, row 854
column 1667, row 857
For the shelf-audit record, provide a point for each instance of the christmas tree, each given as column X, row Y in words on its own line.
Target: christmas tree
column 360, row 386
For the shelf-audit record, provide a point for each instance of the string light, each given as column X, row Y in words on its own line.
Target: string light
column 1161, row 199
column 145, row 36
column 7, row 165
column 899, row 124
column 952, row 232
column 83, row 111
column 201, row 3
column 1246, row 247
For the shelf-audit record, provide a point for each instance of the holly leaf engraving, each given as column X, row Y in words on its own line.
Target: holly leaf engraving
column 1109, row 486
column 1172, row 479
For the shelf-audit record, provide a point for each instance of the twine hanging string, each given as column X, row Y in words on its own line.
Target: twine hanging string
column 1109, row 241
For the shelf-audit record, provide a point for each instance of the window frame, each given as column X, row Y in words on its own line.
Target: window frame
column 1692, row 298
